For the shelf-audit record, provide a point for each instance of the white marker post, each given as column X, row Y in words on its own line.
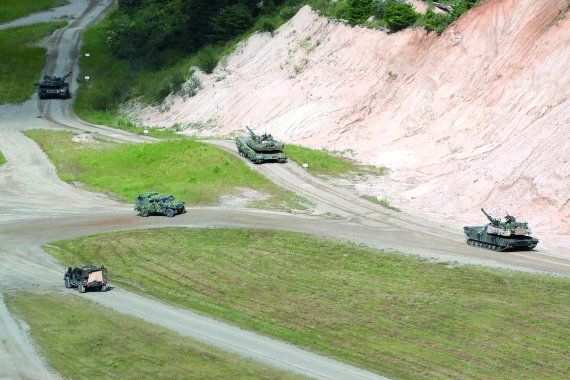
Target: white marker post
column 305, row 165
column 87, row 77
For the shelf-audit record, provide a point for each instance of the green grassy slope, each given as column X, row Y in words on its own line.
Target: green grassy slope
column 14, row 9
column 22, row 61
column 83, row 340
column 322, row 162
column 194, row 172
column 394, row 314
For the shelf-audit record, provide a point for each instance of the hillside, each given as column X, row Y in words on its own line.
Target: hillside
column 475, row 117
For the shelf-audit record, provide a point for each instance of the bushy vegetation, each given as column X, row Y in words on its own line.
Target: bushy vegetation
column 14, row 9
column 394, row 15
column 83, row 340
column 195, row 172
column 21, row 60
column 145, row 49
column 439, row 21
column 397, row 315
column 399, row 16
column 2, row 159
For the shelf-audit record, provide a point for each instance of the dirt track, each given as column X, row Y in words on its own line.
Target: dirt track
column 36, row 208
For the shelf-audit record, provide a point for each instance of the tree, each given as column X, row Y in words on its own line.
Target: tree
column 436, row 21
column 359, row 11
column 399, row 16
column 230, row 21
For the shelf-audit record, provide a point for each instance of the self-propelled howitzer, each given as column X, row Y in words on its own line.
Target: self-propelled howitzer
column 501, row 235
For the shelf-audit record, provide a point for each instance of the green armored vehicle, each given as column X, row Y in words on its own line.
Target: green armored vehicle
column 260, row 149
column 152, row 203
column 53, row 87
column 501, row 235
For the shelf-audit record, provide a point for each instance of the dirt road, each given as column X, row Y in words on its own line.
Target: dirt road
column 36, row 208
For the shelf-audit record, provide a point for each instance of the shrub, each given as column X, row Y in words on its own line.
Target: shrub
column 399, row 16
column 207, row 59
column 265, row 24
column 230, row 21
column 436, row 21
column 358, row 11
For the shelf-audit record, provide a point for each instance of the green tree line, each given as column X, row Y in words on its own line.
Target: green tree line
column 153, row 32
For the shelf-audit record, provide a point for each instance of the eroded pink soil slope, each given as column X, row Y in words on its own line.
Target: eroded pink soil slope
column 476, row 117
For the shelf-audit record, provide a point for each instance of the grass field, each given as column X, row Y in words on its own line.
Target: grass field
column 322, row 162
column 109, row 79
column 397, row 315
column 2, row 159
column 117, row 346
column 194, row 172
column 22, row 62
column 14, row 9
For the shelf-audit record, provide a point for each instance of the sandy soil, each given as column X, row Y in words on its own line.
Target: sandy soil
column 476, row 117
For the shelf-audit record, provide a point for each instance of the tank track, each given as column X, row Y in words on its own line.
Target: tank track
column 481, row 244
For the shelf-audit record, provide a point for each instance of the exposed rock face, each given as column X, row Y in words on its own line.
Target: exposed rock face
column 479, row 116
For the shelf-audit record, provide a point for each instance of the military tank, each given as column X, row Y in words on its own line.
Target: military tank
column 501, row 235
column 53, row 87
column 259, row 149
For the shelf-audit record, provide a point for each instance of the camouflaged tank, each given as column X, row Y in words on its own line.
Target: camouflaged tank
column 259, row 149
column 501, row 235
column 53, row 87
column 152, row 203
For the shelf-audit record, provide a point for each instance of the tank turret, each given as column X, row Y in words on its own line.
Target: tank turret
column 507, row 227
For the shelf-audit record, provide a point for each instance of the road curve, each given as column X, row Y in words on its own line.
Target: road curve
column 36, row 208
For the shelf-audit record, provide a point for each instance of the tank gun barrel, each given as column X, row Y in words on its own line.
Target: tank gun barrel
column 489, row 216
column 250, row 131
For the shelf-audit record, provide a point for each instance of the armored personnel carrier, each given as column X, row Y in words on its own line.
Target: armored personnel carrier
column 53, row 87
column 260, row 149
column 150, row 203
column 501, row 235
column 86, row 277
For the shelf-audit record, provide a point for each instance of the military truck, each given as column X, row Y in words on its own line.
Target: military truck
column 52, row 87
column 259, row 149
column 504, row 235
column 153, row 203
column 88, row 277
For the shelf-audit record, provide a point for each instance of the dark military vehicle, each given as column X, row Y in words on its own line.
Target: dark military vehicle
column 152, row 203
column 260, row 149
column 498, row 235
column 86, row 277
column 53, row 87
